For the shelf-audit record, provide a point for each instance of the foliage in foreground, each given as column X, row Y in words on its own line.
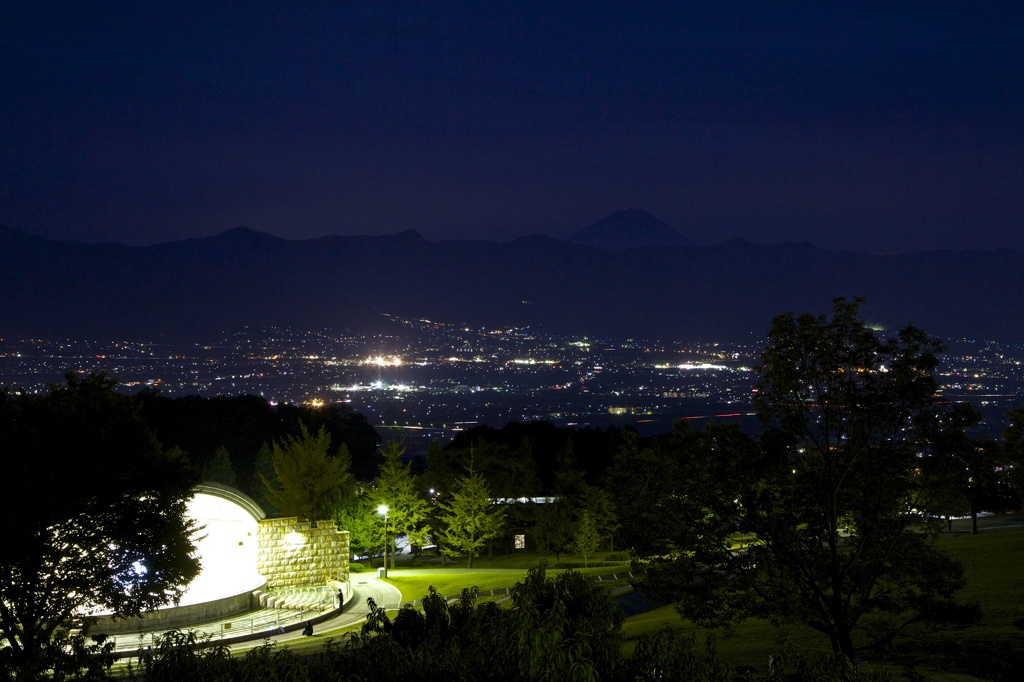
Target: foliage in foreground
column 184, row 656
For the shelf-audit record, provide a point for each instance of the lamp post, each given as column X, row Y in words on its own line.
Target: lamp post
column 383, row 511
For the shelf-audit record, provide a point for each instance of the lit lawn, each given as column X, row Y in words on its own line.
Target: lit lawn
column 449, row 583
column 521, row 559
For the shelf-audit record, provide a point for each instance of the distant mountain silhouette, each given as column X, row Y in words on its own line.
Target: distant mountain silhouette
column 192, row 289
column 629, row 229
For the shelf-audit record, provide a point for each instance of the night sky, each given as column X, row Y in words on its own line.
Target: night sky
column 882, row 127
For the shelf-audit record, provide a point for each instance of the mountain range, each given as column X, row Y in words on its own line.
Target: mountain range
column 628, row 276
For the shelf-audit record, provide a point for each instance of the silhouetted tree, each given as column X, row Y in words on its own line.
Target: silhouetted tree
column 554, row 529
column 95, row 518
column 509, row 473
column 243, row 424
column 570, row 480
column 826, row 495
column 439, row 472
column 598, row 503
column 959, row 471
column 263, row 469
column 561, row 628
column 219, row 470
column 1013, row 450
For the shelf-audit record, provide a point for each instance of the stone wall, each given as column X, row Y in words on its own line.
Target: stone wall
column 293, row 554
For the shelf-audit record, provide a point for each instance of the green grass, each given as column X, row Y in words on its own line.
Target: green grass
column 488, row 573
column 992, row 566
column 990, row 649
column 518, row 559
column 750, row 642
column 995, row 646
column 991, row 562
column 450, row 582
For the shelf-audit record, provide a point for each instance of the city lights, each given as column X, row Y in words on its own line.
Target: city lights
column 438, row 374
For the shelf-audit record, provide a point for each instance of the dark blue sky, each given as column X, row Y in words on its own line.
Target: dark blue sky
column 882, row 128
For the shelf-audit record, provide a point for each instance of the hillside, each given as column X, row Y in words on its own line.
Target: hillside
column 729, row 291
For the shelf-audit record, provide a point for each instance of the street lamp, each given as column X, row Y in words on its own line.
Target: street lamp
column 383, row 511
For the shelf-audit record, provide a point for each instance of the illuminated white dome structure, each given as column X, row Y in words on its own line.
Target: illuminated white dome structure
column 226, row 543
column 227, row 548
column 241, row 554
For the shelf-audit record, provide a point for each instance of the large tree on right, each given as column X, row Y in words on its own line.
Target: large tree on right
column 825, row 496
column 847, row 418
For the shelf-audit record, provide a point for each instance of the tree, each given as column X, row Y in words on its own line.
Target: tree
column 397, row 489
column 826, row 494
column 570, row 480
column 598, row 503
column 356, row 516
column 308, row 481
column 509, row 473
column 848, row 414
column 677, row 502
column 586, row 540
column 960, row 472
column 96, row 519
column 554, row 529
column 566, row 621
column 1013, row 436
column 438, row 473
column 1013, row 450
column 470, row 517
column 264, row 470
column 944, row 495
column 219, row 470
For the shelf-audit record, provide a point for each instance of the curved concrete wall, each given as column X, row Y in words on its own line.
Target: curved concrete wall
column 178, row 616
